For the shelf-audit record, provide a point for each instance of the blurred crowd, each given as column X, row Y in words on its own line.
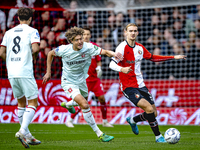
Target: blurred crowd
column 163, row 31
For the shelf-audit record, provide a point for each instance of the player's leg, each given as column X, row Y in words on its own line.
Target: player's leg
column 97, row 87
column 149, row 115
column 142, row 98
column 27, row 118
column 21, row 108
column 70, row 120
column 18, row 93
column 69, row 89
column 147, row 96
column 77, row 93
column 103, row 107
column 30, row 90
column 69, row 106
column 89, row 118
column 20, row 114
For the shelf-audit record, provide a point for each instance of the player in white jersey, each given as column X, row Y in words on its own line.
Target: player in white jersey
column 76, row 59
column 93, row 83
column 19, row 46
column 131, row 79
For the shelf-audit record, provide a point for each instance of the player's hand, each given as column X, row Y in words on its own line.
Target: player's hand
column 126, row 70
column 99, row 71
column 180, row 57
column 118, row 56
column 46, row 78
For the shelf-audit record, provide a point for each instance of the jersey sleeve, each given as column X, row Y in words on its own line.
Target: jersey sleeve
column 147, row 54
column 94, row 50
column 59, row 51
column 158, row 58
column 120, row 49
column 4, row 41
column 35, row 37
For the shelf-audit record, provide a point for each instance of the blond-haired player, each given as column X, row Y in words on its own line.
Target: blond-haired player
column 131, row 80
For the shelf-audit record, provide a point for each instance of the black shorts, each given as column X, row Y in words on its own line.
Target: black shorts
column 135, row 94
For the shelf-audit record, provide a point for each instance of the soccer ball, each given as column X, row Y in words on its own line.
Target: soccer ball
column 172, row 136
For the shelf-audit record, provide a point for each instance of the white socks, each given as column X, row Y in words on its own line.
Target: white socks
column 27, row 118
column 70, row 119
column 88, row 116
column 20, row 113
column 132, row 121
column 105, row 120
column 71, row 103
column 157, row 137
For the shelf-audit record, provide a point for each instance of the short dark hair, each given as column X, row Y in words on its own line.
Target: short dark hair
column 87, row 28
column 25, row 13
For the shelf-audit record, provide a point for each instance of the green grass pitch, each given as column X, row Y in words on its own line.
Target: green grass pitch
column 59, row 137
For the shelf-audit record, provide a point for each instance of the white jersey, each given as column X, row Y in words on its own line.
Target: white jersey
column 18, row 42
column 76, row 63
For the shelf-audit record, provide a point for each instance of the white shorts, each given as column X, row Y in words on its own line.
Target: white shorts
column 73, row 90
column 24, row 87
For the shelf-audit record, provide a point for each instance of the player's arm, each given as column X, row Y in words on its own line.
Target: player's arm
column 3, row 53
column 158, row 58
column 109, row 53
column 114, row 66
column 35, row 50
column 50, row 56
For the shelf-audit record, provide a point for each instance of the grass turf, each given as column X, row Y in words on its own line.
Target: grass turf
column 59, row 137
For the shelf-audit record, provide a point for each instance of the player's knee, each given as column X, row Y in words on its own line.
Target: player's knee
column 149, row 110
column 85, row 106
column 155, row 113
column 101, row 99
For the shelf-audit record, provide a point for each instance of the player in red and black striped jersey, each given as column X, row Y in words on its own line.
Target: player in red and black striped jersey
column 131, row 79
column 93, row 83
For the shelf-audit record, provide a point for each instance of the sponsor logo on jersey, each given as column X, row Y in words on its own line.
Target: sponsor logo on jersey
column 75, row 62
column 132, row 62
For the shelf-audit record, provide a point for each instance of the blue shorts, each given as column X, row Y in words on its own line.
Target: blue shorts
column 135, row 94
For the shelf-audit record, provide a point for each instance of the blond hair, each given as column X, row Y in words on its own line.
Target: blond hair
column 130, row 24
column 72, row 33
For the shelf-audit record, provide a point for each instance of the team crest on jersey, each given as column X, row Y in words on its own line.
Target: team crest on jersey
column 137, row 95
column 83, row 55
column 139, row 52
column 70, row 90
column 95, row 47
